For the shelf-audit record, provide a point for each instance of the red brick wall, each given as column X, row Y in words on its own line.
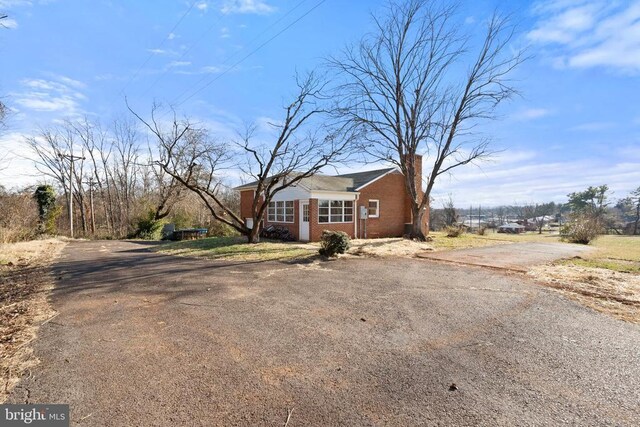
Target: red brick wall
column 246, row 200
column 316, row 229
column 390, row 191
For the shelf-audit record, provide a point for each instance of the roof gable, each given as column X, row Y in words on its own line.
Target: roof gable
column 351, row 182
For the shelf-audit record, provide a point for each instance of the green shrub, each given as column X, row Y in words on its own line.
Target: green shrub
column 453, row 230
column 48, row 211
column 333, row 243
column 148, row 228
column 220, row 229
column 582, row 230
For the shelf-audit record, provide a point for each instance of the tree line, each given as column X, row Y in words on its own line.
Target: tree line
column 594, row 207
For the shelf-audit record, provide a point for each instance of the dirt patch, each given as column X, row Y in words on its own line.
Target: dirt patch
column 607, row 291
column 24, row 284
column 388, row 247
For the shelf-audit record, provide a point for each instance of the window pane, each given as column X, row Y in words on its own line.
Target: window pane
column 323, row 211
column 336, row 211
column 336, row 203
column 289, row 204
column 323, row 204
column 323, row 218
column 348, row 218
column 288, row 211
column 280, row 204
column 348, row 203
column 272, row 204
column 348, row 211
column 336, row 218
column 289, row 218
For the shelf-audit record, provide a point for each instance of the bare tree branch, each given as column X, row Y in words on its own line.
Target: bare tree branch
column 400, row 92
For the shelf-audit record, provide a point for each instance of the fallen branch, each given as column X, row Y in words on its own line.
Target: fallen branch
column 289, row 412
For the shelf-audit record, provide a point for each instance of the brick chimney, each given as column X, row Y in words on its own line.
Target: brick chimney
column 418, row 168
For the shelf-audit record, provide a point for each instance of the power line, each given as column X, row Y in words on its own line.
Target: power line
column 216, row 78
column 151, row 54
column 216, row 21
column 229, row 58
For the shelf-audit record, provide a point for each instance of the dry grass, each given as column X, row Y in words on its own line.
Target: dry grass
column 440, row 242
column 607, row 291
column 24, row 282
column 607, row 279
column 617, row 253
column 237, row 249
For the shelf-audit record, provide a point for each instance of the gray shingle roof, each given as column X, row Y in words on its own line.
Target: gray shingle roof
column 345, row 182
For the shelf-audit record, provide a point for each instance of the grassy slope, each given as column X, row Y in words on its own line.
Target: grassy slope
column 618, row 253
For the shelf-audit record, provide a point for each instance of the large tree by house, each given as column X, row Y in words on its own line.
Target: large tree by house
column 405, row 94
column 301, row 147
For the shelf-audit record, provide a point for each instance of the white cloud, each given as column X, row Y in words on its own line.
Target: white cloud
column 161, row 52
column 203, row 6
column 19, row 171
column 9, row 23
column 171, row 36
column 519, row 177
column 174, row 64
column 593, row 126
column 530, row 114
column 585, row 34
column 259, row 7
column 10, row 4
column 59, row 94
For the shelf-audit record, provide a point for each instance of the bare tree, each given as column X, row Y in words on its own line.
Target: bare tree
column 400, row 92
column 450, row 212
column 198, row 162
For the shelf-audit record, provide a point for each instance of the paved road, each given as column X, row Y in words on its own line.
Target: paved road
column 515, row 256
column 144, row 339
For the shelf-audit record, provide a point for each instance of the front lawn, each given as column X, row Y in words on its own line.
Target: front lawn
column 237, row 249
column 617, row 253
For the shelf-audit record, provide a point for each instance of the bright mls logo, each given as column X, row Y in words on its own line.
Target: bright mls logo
column 34, row 415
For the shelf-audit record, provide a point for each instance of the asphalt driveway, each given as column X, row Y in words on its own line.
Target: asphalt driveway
column 147, row 339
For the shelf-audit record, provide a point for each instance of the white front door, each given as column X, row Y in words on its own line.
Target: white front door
column 304, row 220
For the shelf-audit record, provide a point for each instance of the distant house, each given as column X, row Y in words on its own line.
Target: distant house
column 363, row 205
column 511, row 227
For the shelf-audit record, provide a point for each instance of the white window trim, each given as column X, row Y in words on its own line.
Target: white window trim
column 284, row 207
column 353, row 210
column 377, row 215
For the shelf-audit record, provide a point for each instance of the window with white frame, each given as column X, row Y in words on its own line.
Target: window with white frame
column 374, row 209
column 335, row 211
column 281, row 211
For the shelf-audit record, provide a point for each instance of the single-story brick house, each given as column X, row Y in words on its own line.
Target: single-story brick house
column 364, row 205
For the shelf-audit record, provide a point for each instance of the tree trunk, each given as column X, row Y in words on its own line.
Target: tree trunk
column 635, row 225
column 254, row 234
column 417, row 232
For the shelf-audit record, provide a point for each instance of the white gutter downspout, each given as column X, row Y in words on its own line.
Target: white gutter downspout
column 355, row 218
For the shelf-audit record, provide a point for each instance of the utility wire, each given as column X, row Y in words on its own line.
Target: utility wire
column 229, row 58
column 146, row 61
column 186, row 51
column 216, row 78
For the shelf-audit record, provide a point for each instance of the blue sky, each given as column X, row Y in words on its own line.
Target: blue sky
column 576, row 124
